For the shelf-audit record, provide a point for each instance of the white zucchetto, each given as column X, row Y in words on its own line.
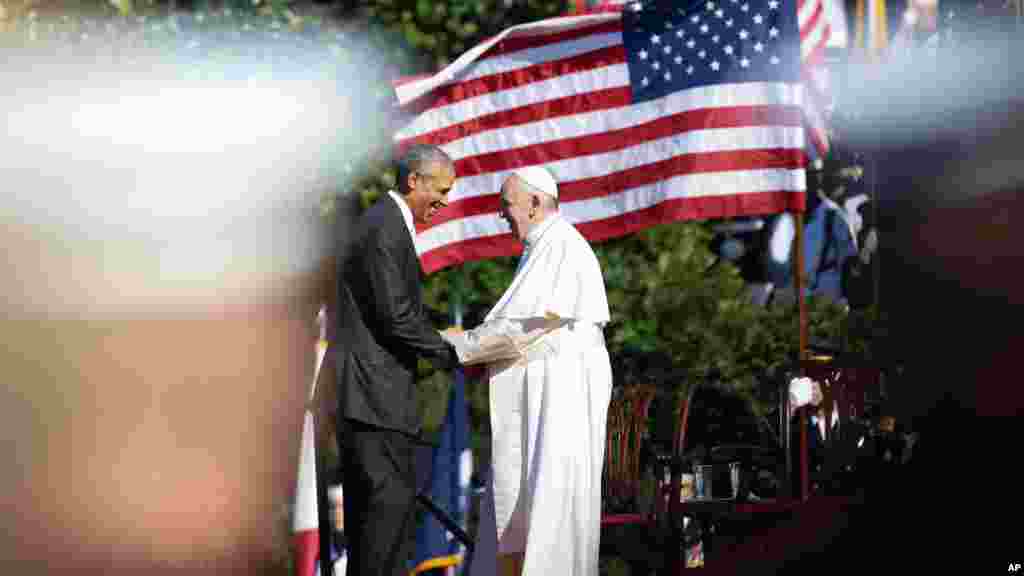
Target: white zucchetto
column 538, row 177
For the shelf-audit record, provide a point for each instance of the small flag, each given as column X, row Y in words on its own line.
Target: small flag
column 451, row 470
column 305, row 520
column 305, row 526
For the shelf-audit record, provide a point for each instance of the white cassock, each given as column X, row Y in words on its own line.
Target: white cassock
column 548, row 412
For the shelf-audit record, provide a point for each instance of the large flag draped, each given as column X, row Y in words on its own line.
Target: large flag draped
column 645, row 115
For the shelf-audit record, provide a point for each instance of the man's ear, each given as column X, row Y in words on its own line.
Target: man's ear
column 409, row 179
column 535, row 200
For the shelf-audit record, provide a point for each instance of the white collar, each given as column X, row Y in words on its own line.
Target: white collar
column 537, row 231
column 406, row 214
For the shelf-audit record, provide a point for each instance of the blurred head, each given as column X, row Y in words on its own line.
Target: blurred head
column 158, row 334
column 528, row 196
column 945, row 149
column 425, row 176
column 143, row 462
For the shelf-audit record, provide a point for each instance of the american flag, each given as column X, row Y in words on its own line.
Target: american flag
column 645, row 115
column 815, row 19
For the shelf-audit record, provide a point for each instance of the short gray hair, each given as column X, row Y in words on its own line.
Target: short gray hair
column 415, row 158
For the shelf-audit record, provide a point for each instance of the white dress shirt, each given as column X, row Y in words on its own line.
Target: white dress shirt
column 406, row 214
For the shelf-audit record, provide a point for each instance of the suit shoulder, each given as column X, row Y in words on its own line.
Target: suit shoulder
column 381, row 209
column 377, row 214
column 378, row 221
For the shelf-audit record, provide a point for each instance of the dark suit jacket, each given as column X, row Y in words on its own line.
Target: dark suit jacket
column 382, row 325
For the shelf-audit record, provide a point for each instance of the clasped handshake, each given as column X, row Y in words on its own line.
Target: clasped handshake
column 501, row 340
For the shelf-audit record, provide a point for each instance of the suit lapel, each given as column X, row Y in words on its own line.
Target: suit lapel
column 412, row 269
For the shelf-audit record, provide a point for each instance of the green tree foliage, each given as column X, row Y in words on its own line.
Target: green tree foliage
column 670, row 294
column 424, row 36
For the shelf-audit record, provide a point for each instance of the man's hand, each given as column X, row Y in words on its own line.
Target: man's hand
column 448, row 334
column 452, row 331
column 474, row 371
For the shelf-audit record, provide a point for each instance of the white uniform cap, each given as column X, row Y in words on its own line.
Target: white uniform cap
column 539, row 178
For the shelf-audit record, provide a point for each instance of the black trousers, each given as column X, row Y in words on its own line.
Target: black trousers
column 380, row 499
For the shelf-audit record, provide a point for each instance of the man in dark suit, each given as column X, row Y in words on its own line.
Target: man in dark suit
column 383, row 330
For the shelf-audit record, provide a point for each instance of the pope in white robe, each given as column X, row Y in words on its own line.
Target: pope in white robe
column 548, row 398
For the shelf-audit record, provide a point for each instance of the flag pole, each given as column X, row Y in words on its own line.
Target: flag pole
column 876, row 258
column 456, row 295
column 798, row 282
column 798, row 285
column 457, row 311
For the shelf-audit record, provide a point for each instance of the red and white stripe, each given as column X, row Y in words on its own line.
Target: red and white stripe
column 815, row 30
column 305, row 516
column 581, row 6
column 305, row 519
column 556, row 93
